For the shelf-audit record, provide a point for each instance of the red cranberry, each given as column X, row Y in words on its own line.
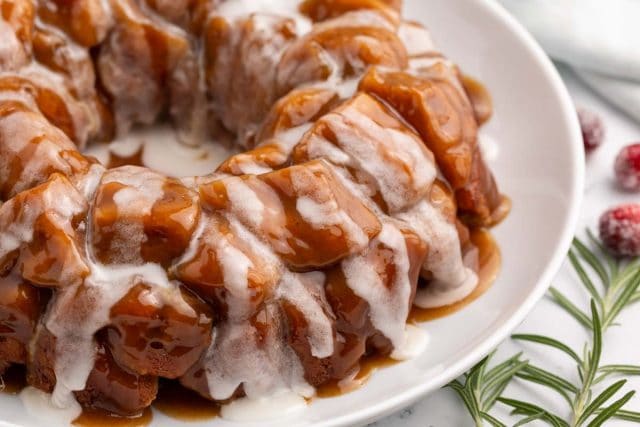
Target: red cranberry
column 592, row 129
column 620, row 230
column 627, row 167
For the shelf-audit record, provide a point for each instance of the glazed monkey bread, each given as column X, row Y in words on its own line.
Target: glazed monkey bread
column 359, row 179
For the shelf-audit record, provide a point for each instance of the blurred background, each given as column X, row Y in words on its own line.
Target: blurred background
column 599, row 40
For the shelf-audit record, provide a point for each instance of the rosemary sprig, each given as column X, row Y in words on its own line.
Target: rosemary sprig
column 482, row 387
column 612, row 285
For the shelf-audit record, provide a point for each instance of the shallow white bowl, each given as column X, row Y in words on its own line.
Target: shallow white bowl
column 539, row 164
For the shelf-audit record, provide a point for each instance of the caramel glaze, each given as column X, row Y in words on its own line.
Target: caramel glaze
column 99, row 418
column 480, row 99
column 183, row 404
column 134, row 159
column 368, row 365
column 173, row 400
column 489, row 260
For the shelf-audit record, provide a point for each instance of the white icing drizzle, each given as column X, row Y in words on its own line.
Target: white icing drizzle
column 416, row 39
column 284, row 141
column 79, row 311
column 306, row 292
column 389, row 306
column 234, row 9
column 235, row 267
column 398, row 161
column 40, row 405
column 264, row 364
column 415, row 343
column 244, row 201
column 452, row 279
column 327, row 214
column 74, row 317
column 143, row 188
column 12, row 53
column 289, row 138
column 50, row 143
column 85, row 118
column 59, row 202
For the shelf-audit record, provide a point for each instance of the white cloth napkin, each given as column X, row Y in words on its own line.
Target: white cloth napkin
column 599, row 39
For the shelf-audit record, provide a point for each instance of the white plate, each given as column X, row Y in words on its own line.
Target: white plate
column 539, row 164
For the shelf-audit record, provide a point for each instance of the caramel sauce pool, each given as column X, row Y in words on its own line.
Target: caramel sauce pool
column 183, row 404
column 135, row 159
column 368, row 365
column 99, row 418
column 489, row 260
column 172, row 400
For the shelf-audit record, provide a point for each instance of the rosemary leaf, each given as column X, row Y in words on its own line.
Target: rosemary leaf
column 623, row 414
column 492, row 420
column 592, row 260
column 611, row 262
column 620, row 369
column 529, row 419
column 574, row 311
column 530, row 409
column 496, row 385
column 623, row 299
column 611, row 411
column 468, row 400
column 600, row 400
column 620, row 288
column 584, row 278
column 540, row 339
column 555, row 381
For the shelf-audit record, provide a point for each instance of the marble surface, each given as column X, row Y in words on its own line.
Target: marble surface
column 444, row 408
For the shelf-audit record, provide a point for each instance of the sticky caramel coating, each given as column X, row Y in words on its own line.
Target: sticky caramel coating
column 18, row 15
column 86, row 21
column 359, row 119
column 446, row 121
column 326, row 52
column 205, row 275
column 50, row 256
column 147, row 229
column 19, row 170
column 352, row 322
column 298, row 107
column 320, row 10
column 188, row 14
column 138, row 87
column 21, row 305
column 294, row 238
column 239, row 64
column 57, row 105
column 150, row 338
column 108, row 387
